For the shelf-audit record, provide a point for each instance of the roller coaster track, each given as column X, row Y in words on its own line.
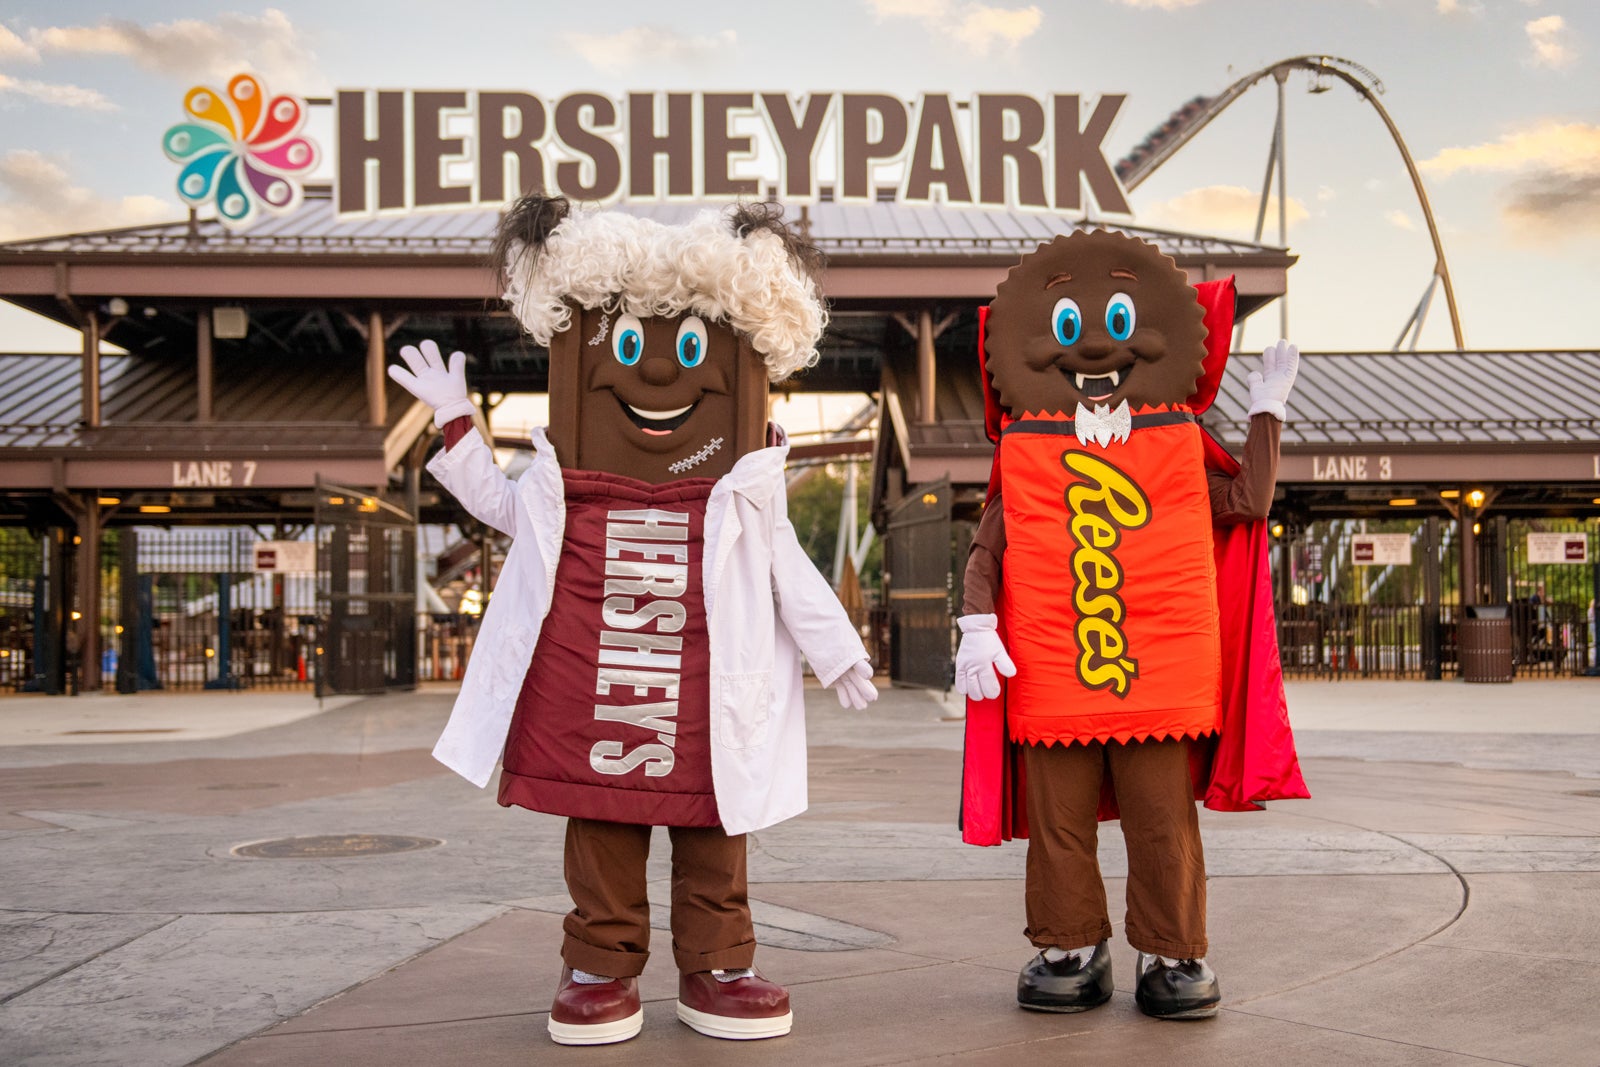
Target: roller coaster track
column 1186, row 122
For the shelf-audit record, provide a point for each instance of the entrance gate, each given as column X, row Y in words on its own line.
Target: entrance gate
column 919, row 560
column 33, row 615
column 1340, row 618
column 366, row 592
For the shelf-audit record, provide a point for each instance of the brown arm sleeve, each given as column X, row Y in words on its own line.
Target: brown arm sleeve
column 455, row 430
column 1248, row 494
column 982, row 579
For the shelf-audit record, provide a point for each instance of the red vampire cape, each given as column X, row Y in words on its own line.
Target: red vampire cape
column 1252, row 758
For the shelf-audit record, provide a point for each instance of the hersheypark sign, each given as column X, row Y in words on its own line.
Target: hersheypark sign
column 399, row 150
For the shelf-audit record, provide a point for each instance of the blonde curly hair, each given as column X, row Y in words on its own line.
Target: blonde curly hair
column 744, row 267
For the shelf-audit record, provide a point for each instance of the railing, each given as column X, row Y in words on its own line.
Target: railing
column 1335, row 641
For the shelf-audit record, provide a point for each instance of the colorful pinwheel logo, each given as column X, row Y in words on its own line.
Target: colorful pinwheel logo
column 242, row 151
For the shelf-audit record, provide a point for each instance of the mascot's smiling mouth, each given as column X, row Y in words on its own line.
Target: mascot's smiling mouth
column 1099, row 387
column 657, row 423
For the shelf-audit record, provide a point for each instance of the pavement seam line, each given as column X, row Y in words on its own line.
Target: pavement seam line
column 265, row 1031
column 1466, row 897
column 671, row 998
column 1373, row 1037
column 89, row 959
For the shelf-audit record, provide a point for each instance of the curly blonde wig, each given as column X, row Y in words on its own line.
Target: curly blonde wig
column 741, row 267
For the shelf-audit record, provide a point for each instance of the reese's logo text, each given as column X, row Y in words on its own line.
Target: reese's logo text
column 1104, row 504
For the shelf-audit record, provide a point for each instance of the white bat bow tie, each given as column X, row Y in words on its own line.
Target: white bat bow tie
column 1102, row 425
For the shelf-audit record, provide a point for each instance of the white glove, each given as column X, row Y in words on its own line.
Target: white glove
column 1269, row 386
column 854, row 687
column 979, row 656
column 442, row 388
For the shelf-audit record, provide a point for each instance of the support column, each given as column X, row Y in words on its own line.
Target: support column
column 926, row 368
column 1282, row 76
column 1499, row 577
column 88, row 595
column 1469, row 558
column 91, row 369
column 377, row 401
column 128, row 614
column 1432, row 577
column 225, row 678
column 205, row 385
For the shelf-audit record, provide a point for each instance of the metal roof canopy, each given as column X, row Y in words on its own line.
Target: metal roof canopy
column 1363, row 428
column 876, row 253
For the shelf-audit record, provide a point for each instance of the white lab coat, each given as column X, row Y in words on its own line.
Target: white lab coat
column 765, row 605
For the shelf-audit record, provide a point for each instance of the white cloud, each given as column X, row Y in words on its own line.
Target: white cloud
column 977, row 26
column 14, row 48
column 50, row 93
column 1220, row 209
column 1447, row 7
column 40, row 200
column 1326, row 193
column 1548, row 37
column 980, row 26
column 1573, row 145
column 268, row 44
column 1164, row 5
column 1556, row 191
column 619, row 52
column 1400, row 220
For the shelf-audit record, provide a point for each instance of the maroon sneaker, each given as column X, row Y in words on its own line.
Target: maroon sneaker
column 600, row 1013
column 744, row 1009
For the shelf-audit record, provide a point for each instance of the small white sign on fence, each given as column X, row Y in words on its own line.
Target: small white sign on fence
column 1380, row 550
column 286, row 557
column 1558, row 548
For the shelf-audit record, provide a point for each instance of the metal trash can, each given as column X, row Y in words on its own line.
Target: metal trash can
column 1484, row 643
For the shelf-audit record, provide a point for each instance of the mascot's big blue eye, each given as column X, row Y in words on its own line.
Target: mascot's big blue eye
column 692, row 341
column 628, row 341
column 1119, row 316
column 1066, row 321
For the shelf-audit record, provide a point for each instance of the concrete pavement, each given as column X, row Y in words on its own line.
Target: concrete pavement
column 1431, row 905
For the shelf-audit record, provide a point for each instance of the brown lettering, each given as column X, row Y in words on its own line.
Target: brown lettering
column 858, row 148
column 645, row 144
column 994, row 148
column 1079, row 157
column 936, row 122
column 431, row 148
column 719, row 144
column 385, row 149
column 796, row 137
column 580, row 137
column 510, row 126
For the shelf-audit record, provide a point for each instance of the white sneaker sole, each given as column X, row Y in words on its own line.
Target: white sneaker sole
column 731, row 1029
column 597, row 1033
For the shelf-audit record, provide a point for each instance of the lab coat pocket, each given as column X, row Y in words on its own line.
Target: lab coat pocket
column 746, row 709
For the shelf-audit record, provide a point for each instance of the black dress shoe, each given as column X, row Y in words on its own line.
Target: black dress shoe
column 1066, row 985
column 1186, row 991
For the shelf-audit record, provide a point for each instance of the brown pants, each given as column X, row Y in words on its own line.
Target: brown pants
column 608, row 929
column 1166, row 867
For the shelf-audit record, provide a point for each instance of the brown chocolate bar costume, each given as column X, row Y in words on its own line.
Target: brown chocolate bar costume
column 662, row 342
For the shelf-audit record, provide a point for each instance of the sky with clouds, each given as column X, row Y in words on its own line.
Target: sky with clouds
column 1499, row 101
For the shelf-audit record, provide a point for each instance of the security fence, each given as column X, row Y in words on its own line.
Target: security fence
column 1348, row 607
column 186, row 608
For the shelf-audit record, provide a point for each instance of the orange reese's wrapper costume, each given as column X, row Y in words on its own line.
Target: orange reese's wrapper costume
column 1111, row 581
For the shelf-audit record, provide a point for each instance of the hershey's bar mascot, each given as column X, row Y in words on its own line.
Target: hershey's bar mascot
column 1118, row 648
column 639, row 663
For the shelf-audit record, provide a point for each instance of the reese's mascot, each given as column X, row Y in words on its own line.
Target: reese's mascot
column 639, row 663
column 1118, row 581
